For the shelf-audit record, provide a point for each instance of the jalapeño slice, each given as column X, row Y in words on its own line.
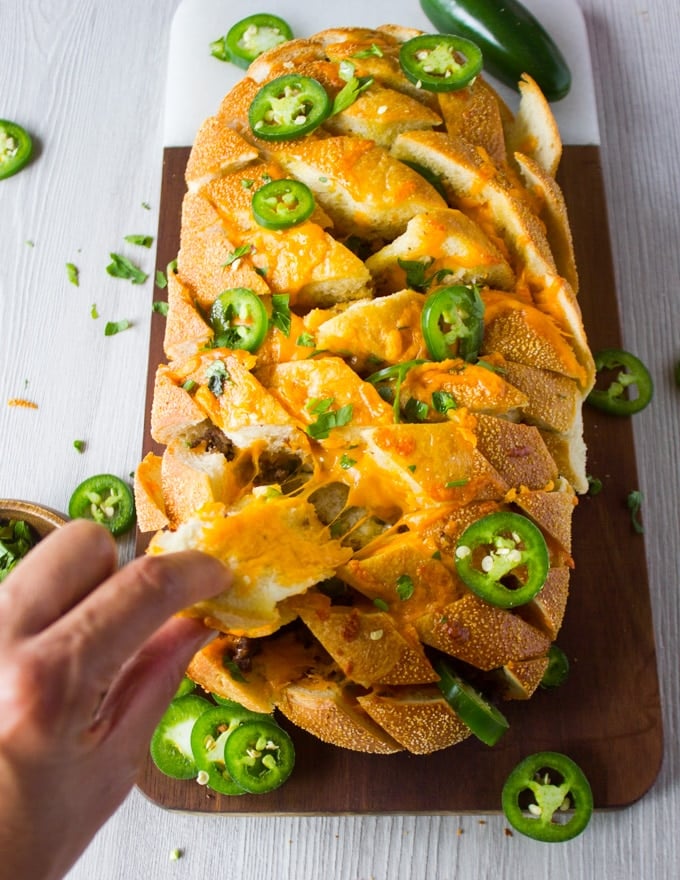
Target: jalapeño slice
column 280, row 204
column 239, row 319
column 633, row 374
column 288, row 107
column 440, row 62
column 171, row 742
column 208, row 740
column 106, row 499
column 503, row 558
column 452, row 322
column 249, row 38
column 547, row 797
column 16, row 147
column 259, row 755
column 485, row 721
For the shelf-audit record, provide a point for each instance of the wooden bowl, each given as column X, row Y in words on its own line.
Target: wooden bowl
column 42, row 520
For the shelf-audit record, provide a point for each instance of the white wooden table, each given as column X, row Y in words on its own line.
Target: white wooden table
column 88, row 79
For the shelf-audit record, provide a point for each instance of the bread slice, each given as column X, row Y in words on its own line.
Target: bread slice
column 480, row 634
column 419, row 718
column 275, row 547
column 329, row 709
column 348, row 173
column 366, row 643
column 444, row 240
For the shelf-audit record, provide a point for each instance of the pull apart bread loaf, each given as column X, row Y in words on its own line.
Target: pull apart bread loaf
column 331, row 452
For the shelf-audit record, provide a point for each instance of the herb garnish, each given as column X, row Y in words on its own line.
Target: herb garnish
column 122, row 267
column 113, row 327
column 280, row 316
column 353, row 87
column 72, row 274
column 634, row 503
column 327, row 419
column 16, row 539
column 217, row 374
column 405, row 587
column 141, row 240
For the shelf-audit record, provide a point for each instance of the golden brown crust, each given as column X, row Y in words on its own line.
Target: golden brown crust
column 481, row 634
column 419, row 719
column 328, row 710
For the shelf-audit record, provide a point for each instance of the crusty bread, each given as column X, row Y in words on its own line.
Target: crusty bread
column 335, row 467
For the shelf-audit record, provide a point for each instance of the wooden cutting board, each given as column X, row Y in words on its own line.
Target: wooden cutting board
column 608, row 715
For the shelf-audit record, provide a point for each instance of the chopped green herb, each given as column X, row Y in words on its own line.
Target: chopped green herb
column 353, row 87
column 141, row 240
column 122, row 267
column 233, row 669
column 405, row 587
column 93, row 311
column 161, row 307
column 16, row 539
column 113, row 327
column 412, row 468
column 161, row 280
column 594, row 486
column 368, row 53
column 346, row 462
column 30, row 243
column 327, row 418
column 415, row 271
column 443, row 401
column 72, row 274
column 634, row 503
column 381, row 604
column 217, row 374
column 190, row 385
column 437, row 554
column 146, row 206
column 280, row 316
column 456, row 484
column 306, row 340
column 323, row 179
column 237, row 254
column 261, row 271
column 416, row 410
column 247, row 184
column 79, row 445
column 175, row 855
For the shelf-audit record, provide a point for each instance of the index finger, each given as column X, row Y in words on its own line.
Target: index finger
column 57, row 573
column 109, row 625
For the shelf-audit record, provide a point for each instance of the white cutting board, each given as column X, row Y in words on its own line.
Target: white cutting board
column 197, row 82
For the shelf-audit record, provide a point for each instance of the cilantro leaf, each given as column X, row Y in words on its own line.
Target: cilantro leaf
column 405, row 587
column 122, row 267
column 353, row 87
column 217, row 374
column 327, row 419
column 113, row 327
column 141, row 240
column 237, row 254
column 280, row 316
column 72, row 274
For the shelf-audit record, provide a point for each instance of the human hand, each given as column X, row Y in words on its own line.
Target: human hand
column 90, row 657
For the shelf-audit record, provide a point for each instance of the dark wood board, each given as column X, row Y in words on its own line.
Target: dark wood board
column 608, row 714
